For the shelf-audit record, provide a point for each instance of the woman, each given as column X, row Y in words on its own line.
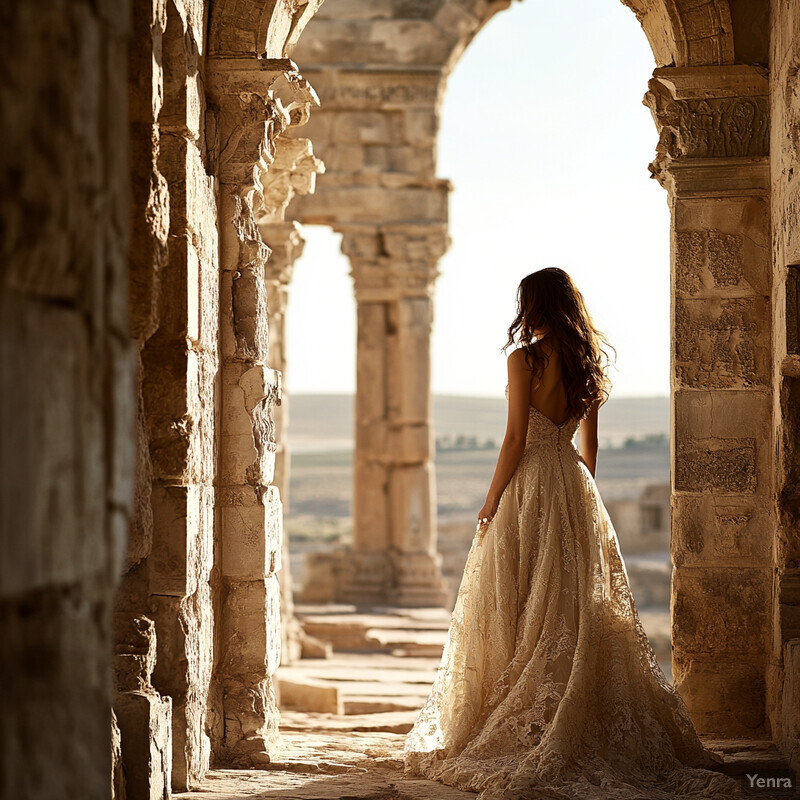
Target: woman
column 548, row 687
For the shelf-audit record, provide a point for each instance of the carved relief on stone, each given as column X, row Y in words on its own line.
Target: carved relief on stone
column 709, row 128
column 702, row 113
column 721, row 343
column 707, row 259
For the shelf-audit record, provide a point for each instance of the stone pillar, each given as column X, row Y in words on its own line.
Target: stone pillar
column 712, row 158
column 249, row 119
column 395, row 559
column 286, row 243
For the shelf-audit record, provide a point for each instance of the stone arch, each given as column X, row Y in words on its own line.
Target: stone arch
column 377, row 133
column 263, row 28
column 681, row 33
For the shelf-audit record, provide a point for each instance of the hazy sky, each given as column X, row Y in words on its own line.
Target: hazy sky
column 546, row 141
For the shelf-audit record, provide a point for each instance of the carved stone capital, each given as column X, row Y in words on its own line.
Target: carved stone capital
column 394, row 261
column 293, row 170
column 254, row 100
column 285, row 240
column 708, row 113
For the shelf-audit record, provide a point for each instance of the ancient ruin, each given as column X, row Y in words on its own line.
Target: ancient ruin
column 159, row 161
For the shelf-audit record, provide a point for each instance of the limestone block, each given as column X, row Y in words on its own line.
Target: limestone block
column 409, row 373
column 182, row 553
column 725, row 698
column 721, row 465
column 309, row 695
column 193, row 206
column 373, row 437
column 145, row 77
column 174, row 516
column 721, row 441
column 722, row 343
column 409, row 443
column 369, row 571
column 361, row 204
column 249, row 393
column 406, row 159
column 252, row 627
column 457, row 20
column 722, row 414
column 185, row 628
column 249, row 313
column 179, row 313
column 721, row 610
column 245, row 29
column 355, row 9
column 184, row 96
column 345, row 157
column 411, row 506
column 167, row 373
column 371, row 362
column 253, row 526
column 148, row 253
column 421, row 128
column 710, row 262
column 368, row 127
column 134, row 652
column 371, row 514
column 710, row 531
column 145, row 724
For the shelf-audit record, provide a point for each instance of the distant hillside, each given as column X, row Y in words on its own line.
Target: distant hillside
column 319, row 422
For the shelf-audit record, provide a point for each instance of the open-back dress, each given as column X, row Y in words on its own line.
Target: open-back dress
column 548, row 686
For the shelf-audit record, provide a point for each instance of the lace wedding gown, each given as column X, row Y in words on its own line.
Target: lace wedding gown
column 548, row 686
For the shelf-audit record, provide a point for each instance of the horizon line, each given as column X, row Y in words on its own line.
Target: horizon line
column 475, row 396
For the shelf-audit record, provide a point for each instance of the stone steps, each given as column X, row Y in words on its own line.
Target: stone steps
column 747, row 758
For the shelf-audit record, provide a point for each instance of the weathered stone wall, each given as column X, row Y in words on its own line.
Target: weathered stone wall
column 201, row 557
column 784, row 679
column 174, row 318
column 67, row 398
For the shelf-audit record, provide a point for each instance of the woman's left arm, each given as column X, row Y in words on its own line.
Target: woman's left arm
column 519, row 386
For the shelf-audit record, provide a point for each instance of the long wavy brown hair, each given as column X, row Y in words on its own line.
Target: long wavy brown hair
column 549, row 298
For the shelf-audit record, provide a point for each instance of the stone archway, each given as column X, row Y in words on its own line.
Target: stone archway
column 377, row 134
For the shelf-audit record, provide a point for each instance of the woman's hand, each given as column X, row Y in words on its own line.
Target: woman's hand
column 486, row 514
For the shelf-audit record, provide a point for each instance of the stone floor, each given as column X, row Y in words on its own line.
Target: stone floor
column 343, row 736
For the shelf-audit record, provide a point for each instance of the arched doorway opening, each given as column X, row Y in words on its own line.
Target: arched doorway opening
column 378, row 133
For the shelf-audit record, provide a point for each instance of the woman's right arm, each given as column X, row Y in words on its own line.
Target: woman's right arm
column 589, row 437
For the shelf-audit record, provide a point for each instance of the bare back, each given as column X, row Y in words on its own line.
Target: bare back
column 547, row 394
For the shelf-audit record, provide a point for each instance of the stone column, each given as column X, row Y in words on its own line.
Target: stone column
column 286, row 243
column 248, row 121
column 395, row 559
column 712, row 158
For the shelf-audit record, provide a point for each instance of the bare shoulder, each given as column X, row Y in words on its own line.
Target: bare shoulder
column 517, row 362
